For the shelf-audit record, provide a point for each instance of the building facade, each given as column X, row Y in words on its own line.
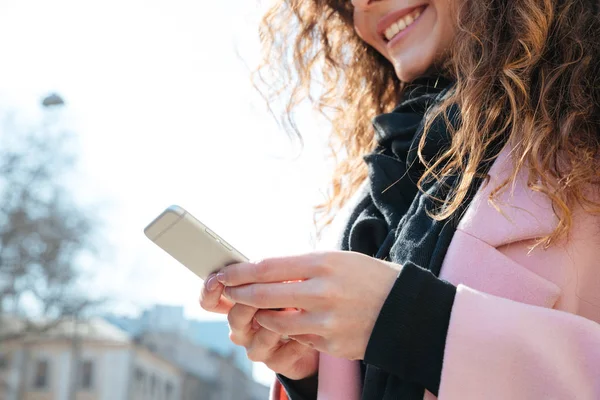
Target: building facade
column 85, row 361
column 163, row 318
column 95, row 360
column 219, row 378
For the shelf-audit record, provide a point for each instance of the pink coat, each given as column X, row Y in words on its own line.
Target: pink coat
column 525, row 324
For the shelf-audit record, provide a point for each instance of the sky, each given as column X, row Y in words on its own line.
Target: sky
column 164, row 112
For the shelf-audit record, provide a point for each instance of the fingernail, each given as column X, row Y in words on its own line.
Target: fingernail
column 221, row 277
column 212, row 283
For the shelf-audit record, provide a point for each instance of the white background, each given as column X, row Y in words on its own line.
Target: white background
column 165, row 113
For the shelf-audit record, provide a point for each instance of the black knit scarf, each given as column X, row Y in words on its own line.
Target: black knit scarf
column 391, row 221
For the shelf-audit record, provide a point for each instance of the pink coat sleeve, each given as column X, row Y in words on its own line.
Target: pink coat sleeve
column 525, row 324
column 502, row 349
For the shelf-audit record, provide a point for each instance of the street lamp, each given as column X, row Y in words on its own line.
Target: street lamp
column 53, row 100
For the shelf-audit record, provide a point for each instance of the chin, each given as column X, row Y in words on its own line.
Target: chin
column 412, row 66
column 407, row 76
column 408, row 73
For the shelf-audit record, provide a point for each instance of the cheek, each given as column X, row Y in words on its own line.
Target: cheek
column 363, row 28
column 360, row 25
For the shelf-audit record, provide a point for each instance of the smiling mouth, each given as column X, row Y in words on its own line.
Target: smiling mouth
column 401, row 24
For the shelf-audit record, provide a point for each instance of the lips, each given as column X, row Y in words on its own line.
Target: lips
column 397, row 21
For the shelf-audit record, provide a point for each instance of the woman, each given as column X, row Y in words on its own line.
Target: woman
column 469, row 265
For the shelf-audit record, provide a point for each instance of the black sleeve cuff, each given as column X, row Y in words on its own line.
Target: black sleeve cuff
column 303, row 389
column 409, row 337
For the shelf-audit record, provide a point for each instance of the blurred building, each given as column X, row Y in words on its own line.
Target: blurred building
column 95, row 360
column 218, row 377
column 211, row 334
column 91, row 360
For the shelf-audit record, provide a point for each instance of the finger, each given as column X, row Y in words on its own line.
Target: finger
column 290, row 352
column 242, row 326
column 289, row 323
column 272, row 295
column 314, row 341
column 271, row 270
column 212, row 299
column 264, row 344
column 240, row 317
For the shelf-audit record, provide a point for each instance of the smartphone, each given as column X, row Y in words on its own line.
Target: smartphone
column 192, row 243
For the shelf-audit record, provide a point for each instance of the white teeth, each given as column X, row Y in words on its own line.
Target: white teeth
column 401, row 24
column 389, row 32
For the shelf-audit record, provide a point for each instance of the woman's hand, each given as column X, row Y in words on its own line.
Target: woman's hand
column 337, row 297
column 288, row 358
column 211, row 297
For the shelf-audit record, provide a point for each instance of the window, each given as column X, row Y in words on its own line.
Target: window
column 41, row 375
column 140, row 378
column 139, row 375
column 4, row 361
column 152, row 385
column 168, row 391
column 86, row 375
column 159, row 392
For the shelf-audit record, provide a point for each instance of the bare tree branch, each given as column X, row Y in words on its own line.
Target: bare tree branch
column 43, row 231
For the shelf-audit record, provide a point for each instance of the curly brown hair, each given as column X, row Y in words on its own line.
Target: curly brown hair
column 527, row 71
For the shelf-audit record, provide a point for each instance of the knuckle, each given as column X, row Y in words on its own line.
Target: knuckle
column 259, row 294
column 322, row 263
column 239, row 338
column 327, row 292
column 297, row 353
column 235, row 338
column 231, row 319
column 262, row 346
column 206, row 304
column 254, row 355
column 334, row 348
column 328, row 324
column 262, row 342
column 334, row 291
column 261, row 270
column 251, row 355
